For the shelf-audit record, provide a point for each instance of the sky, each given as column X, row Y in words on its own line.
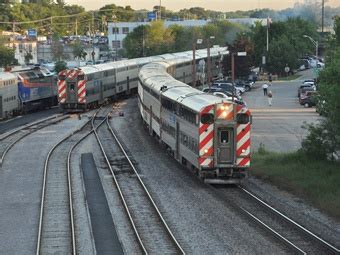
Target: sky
column 217, row 5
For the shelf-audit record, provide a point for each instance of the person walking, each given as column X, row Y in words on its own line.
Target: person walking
column 270, row 79
column 265, row 89
column 270, row 98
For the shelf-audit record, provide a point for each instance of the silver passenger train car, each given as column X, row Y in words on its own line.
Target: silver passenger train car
column 89, row 86
column 9, row 102
column 204, row 132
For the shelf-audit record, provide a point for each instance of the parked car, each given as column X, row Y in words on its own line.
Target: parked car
column 224, row 84
column 304, row 88
column 247, row 85
column 238, row 100
column 308, row 99
column 213, row 89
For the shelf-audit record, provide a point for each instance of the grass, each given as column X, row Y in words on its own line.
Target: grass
column 318, row 182
column 289, row 78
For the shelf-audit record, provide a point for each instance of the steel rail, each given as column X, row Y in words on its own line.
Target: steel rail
column 42, row 203
column 7, row 134
column 303, row 229
column 145, row 189
column 118, row 188
column 278, row 235
column 22, row 137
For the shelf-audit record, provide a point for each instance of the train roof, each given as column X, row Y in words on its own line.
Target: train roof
column 146, row 60
column 4, row 76
column 155, row 77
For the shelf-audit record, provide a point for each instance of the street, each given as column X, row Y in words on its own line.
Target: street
column 279, row 127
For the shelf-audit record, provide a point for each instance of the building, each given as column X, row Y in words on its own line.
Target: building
column 117, row 31
column 23, row 48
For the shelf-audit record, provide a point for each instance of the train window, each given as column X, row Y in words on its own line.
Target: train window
column 242, row 118
column 207, row 118
column 72, row 86
column 224, row 136
column 81, row 77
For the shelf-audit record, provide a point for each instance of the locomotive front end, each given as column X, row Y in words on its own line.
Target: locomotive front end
column 224, row 147
column 72, row 90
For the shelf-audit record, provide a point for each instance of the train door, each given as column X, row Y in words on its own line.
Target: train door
column 225, row 145
column 1, row 107
column 72, row 92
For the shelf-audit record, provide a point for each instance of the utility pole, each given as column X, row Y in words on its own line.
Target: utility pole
column 322, row 16
column 208, row 65
column 76, row 26
column 194, row 64
column 160, row 9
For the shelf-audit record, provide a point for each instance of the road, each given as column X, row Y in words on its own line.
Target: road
column 279, row 127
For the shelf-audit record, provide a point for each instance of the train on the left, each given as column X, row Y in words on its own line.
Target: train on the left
column 26, row 90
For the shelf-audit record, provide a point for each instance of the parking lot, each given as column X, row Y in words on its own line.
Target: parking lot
column 279, row 127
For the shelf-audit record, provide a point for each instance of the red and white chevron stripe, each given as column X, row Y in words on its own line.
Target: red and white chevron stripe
column 206, row 140
column 82, row 91
column 62, row 91
column 72, row 73
column 243, row 141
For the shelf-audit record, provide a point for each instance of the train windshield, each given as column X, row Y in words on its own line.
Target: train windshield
column 243, row 118
column 207, row 118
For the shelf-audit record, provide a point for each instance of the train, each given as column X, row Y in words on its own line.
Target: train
column 206, row 133
column 89, row 86
column 8, row 94
column 25, row 90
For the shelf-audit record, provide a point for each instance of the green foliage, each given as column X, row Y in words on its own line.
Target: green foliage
column 6, row 56
column 57, row 49
column 155, row 39
column 286, row 43
column 324, row 138
column 60, row 66
column 313, row 179
column 78, row 50
column 28, row 57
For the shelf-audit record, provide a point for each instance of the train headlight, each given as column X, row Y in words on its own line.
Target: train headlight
column 243, row 150
column 224, row 107
column 206, row 151
column 224, row 114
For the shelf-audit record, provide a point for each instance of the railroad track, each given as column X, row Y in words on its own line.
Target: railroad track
column 152, row 232
column 294, row 236
column 8, row 140
column 56, row 232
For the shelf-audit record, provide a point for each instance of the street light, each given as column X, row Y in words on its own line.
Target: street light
column 316, row 44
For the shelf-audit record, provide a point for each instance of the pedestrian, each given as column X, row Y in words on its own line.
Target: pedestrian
column 270, row 98
column 265, row 89
column 270, row 79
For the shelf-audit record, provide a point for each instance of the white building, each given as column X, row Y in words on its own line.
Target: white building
column 117, row 31
column 22, row 48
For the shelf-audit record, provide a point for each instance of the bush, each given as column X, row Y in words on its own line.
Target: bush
column 320, row 143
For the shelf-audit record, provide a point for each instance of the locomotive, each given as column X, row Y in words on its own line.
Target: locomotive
column 204, row 132
column 25, row 90
column 89, row 86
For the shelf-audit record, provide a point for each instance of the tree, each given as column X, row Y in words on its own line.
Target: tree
column 57, row 49
column 60, row 66
column 28, row 57
column 6, row 56
column 286, row 43
column 78, row 50
column 324, row 138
